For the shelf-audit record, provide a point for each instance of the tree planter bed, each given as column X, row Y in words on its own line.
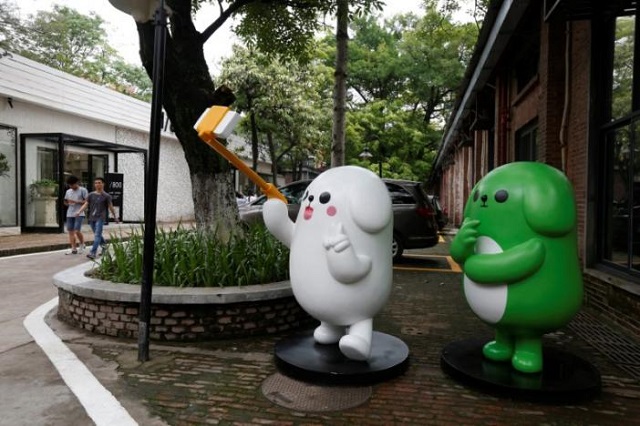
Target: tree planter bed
column 177, row 314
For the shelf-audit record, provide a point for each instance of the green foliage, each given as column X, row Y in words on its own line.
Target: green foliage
column 74, row 43
column 43, row 182
column 190, row 258
column 9, row 24
column 128, row 79
column 403, row 74
column 278, row 28
column 623, row 67
column 288, row 101
column 66, row 40
column 287, row 28
column 436, row 53
column 4, row 165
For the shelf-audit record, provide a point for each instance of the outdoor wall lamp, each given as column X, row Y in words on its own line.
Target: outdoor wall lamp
column 10, row 101
column 367, row 155
column 140, row 10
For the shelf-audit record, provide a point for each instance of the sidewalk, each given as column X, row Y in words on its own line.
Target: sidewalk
column 223, row 382
column 11, row 245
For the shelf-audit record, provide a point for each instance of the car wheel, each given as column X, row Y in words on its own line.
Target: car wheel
column 396, row 248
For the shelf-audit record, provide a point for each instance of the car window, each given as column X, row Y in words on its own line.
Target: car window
column 294, row 193
column 260, row 201
column 399, row 195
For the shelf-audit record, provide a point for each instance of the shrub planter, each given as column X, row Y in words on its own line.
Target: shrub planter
column 177, row 314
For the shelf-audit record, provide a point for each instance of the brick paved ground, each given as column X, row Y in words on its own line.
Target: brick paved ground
column 220, row 382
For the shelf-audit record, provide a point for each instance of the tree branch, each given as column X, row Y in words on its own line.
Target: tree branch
column 238, row 4
column 360, row 92
column 224, row 15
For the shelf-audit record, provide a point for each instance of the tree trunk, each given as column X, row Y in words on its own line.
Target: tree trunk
column 188, row 91
column 215, row 213
column 254, row 143
column 340, row 87
column 272, row 155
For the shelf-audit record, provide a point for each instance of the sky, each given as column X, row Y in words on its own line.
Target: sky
column 123, row 37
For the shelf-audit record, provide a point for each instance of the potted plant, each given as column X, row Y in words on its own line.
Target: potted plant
column 4, row 166
column 44, row 187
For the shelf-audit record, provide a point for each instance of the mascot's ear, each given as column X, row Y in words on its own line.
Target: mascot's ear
column 370, row 205
column 549, row 202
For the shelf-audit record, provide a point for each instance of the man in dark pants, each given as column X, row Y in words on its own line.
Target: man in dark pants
column 98, row 202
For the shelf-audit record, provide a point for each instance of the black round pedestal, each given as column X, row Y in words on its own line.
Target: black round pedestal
column 300, row 357
column 565, row 377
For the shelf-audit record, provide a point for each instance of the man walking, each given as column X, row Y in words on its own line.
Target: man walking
column 98, row 202
column 74, row 198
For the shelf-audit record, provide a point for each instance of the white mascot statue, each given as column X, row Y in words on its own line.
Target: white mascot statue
column 340, row 262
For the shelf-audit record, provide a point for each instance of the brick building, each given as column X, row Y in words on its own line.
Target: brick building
column 558, row 81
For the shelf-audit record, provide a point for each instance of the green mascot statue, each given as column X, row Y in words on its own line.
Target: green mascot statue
column 518, row 249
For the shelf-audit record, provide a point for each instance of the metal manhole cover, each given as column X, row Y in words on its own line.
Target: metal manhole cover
column 296, row 395
column 414, row 331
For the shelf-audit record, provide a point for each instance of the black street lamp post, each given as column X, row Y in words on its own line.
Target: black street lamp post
column 151, row 183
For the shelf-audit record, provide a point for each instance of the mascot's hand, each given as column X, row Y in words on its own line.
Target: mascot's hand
column 336, row 239
column 276, row 218
column 345, row 265
column 463, row 245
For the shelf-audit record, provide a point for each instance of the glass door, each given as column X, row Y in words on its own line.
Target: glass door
column 76, row 163
column 40, row 190
column 8, row 175
column 99, row 168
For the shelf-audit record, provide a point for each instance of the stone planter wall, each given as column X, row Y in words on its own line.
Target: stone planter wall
column 177, row 314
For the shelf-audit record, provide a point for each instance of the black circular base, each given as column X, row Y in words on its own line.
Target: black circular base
column 300, row 357
column 565, row 377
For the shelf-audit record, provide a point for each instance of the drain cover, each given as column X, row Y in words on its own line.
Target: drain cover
column 296, row 395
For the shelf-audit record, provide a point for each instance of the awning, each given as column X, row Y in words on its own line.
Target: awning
column 67, row 139
column 574, row 10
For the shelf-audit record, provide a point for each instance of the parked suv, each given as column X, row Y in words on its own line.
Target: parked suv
column 442, row 218
column 414, row 221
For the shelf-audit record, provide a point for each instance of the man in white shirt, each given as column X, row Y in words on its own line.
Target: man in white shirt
column 74, row 198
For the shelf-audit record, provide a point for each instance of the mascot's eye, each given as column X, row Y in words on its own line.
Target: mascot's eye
column 325, row 197
column 476, row 195
column 501, row 196
column 306, row 194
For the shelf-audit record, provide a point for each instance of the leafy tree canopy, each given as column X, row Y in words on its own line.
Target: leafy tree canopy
column 403, row 74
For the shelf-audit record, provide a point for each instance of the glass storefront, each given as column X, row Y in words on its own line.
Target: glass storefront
column 619, row 243
column 47, row 160
column 8, row 177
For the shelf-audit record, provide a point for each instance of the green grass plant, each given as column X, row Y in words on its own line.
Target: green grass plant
column 194, row 258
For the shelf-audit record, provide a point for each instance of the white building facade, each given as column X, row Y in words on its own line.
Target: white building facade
column 53, row 125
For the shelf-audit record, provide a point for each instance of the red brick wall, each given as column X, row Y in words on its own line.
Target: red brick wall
column 552, row 94
column 578, row 124
column 606, row 294
column 183, row 322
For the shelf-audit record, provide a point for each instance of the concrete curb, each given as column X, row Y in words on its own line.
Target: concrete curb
column 74, row 280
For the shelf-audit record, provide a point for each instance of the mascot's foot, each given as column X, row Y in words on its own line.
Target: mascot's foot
column 527, row 362
column 326, row 334
column 497, row 351
column 356, row 348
